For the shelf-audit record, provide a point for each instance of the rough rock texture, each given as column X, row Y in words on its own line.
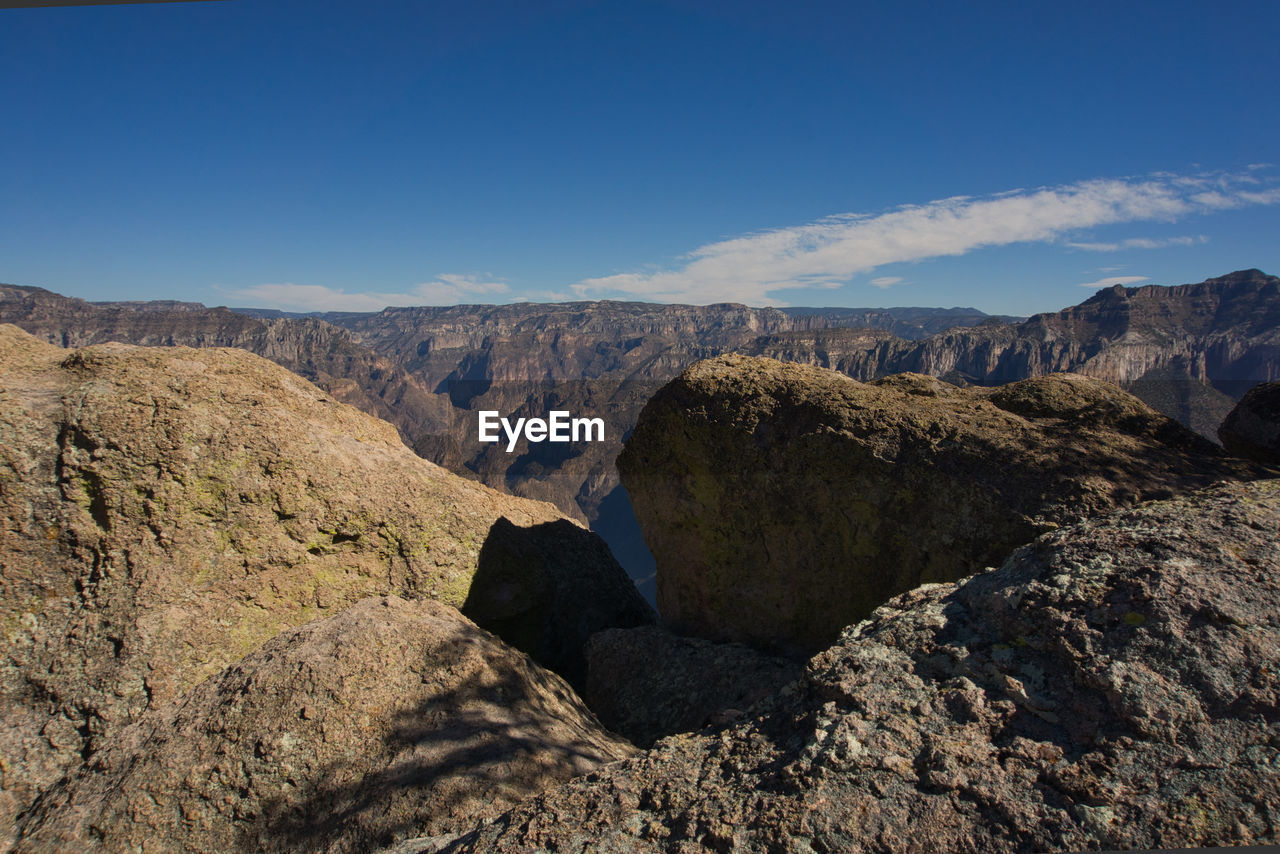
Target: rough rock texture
column 530, row 589
column 783, row 502
column 1252, row 429
column 1114, row 685
column 163, row 511
column 646, row 683
column 390, row 719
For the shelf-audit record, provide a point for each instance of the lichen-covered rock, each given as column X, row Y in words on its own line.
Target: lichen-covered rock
column 164, row 511
column 783, row 502
column 390, row 719
column 1252, row 429
column 646, row 683
column 1114, row 685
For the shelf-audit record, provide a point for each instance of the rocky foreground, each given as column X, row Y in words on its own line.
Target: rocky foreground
column 343, row 734
column 240, row 616
column 1114, row 685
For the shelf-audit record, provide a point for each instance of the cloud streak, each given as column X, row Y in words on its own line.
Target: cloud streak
column 832, row 251
column 1141, row 243
column 445, row 289
column 1112, row 281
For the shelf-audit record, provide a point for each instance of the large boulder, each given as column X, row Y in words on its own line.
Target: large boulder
column 1252, row 429
column 390, row 719
column 164, row 511
column 1114, row 685
column 783, row 502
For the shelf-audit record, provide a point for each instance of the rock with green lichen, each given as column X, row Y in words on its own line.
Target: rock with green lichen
column 783, row 502
column 164, row 511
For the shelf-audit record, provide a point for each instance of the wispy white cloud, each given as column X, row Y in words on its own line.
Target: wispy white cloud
column 445, row 289
column 832, row 251
column 886, row 281
column 1141, row 243
column 1112, row 281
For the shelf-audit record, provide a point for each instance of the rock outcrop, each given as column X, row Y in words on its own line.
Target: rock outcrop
column 646, row 683
column 1252, row 429
column 164, row 511
column 1112, row 686
column 783, row 502
column 391, row 719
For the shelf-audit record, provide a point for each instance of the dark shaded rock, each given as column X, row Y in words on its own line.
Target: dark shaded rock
column 1252, row 429
column 164, row 511
column 531, row 590
column 783, row 502
column 389, row 720
column 1114, row 685
column 647, row 683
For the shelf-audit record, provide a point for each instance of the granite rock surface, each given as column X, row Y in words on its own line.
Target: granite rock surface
column 165, row 511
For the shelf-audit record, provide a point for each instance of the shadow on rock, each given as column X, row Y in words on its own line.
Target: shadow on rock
column 460, row 757
column 548, row 588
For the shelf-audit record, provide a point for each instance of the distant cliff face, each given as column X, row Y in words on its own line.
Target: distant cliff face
column 1189, row 351
column 316, row 350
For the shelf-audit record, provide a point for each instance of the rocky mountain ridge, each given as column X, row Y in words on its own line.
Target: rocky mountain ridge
column 1111, row 686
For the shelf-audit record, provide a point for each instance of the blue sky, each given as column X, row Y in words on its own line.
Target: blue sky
column 345, row 155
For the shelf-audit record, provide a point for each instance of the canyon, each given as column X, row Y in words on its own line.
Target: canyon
column 1189, row 351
